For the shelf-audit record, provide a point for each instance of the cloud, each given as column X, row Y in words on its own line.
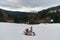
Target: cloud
column 23, row 9
column 12, row 0
column 28, row 4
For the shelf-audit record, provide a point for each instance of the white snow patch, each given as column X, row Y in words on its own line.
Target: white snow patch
column 11, row 31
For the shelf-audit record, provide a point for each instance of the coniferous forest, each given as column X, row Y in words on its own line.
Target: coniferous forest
column 44, row 16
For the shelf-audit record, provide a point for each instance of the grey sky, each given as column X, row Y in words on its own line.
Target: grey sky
column 28, row 3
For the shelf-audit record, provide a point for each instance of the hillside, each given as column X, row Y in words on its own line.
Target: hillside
column 53, row 13
column 15, row 14
column 56, row 8
column 44, row 16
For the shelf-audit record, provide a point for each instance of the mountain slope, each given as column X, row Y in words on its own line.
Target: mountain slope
column 14, row 13
column 53, row 9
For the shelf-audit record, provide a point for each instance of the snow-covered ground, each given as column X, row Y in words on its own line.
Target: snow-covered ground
column 11, row 31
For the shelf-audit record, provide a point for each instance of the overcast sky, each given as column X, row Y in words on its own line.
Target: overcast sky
column 27, row 5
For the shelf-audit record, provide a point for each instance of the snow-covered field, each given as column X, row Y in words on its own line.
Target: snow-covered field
column 11, row 31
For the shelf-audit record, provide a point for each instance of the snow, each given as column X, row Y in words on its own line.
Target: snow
column 12, row 31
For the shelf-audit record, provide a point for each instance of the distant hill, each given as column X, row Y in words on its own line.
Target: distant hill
column 43, row 16
column 14, row 13
column 52, row 9
column 53, row 13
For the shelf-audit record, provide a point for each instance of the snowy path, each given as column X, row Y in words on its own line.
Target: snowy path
column 10, row 31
